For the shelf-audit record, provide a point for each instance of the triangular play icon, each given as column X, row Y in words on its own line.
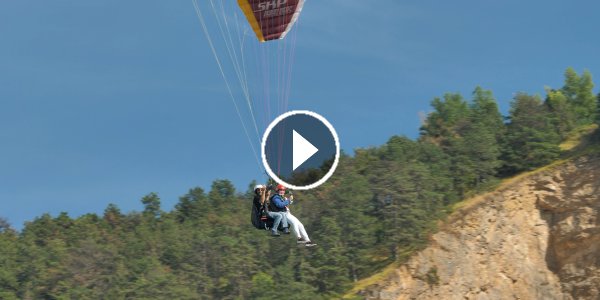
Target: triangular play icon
column 302, row 150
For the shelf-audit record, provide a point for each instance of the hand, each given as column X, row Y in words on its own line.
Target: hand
column 292, row 197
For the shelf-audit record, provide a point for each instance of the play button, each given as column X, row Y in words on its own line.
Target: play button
column 300, row 149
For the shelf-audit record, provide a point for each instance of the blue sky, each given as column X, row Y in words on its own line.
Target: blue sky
column 106, row 101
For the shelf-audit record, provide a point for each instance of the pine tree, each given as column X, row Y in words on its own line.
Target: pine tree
column 531, row 140
column 484, row 110
column 9, row 254
column 354, row 217
column 192, row 206
column 561, row 112
column 578, row 90
column 482, row 137
column 151, row 204
column 439, row 165
column 450, row 116
column 112, row 215
column 220, row 192
column 598, row 109
column 470, row 135
column 156, row 282
column 262, row 287
column 328, row 257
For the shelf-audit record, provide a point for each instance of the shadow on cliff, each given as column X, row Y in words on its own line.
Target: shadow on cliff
column 569, row 201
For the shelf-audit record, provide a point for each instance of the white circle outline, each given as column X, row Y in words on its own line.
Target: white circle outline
column 318, row 117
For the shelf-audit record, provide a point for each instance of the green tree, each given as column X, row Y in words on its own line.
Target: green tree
column 471, row 136
column 151, row 204
column 332, row 271
column 449, row 117
column 113, row 215
column 262, row 287
column 561, row 112
column 9, row 253
column 439, row 164
column 531, row 140
column 481, row 139
column 579, row 92
column 355, row 217
column 598, row 109
column 484, row 111
column 192, row 206
column 221, row 193
column 157, row 282
column 88, row 270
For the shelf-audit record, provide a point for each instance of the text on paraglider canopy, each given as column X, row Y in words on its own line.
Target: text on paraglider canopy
column 273, row 4
column 278, row 12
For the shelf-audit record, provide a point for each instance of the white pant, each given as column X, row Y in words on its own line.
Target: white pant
column 297, row 226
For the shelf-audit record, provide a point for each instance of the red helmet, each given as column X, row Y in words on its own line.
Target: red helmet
column 280, row 187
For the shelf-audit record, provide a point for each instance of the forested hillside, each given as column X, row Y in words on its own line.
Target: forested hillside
column 381, row 205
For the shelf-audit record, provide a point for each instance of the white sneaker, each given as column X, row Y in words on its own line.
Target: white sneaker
column 310, row 244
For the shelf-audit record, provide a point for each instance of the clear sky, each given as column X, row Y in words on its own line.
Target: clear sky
column 106, row 101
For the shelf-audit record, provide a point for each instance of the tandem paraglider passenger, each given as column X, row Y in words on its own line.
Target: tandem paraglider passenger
column 281, row 204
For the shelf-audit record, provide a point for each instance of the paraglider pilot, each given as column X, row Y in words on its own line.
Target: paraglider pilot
column 279, row 217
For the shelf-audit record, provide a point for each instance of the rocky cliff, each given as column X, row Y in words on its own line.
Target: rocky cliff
column 537, row 237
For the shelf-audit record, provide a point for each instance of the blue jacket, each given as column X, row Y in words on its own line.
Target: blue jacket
column 280, row 203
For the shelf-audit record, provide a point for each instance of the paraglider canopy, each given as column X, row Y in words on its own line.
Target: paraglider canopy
column 271, row 19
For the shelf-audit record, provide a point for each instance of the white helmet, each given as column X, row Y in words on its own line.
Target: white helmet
column 258, row 186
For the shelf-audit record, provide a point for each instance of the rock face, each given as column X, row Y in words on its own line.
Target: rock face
column 535, row 238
